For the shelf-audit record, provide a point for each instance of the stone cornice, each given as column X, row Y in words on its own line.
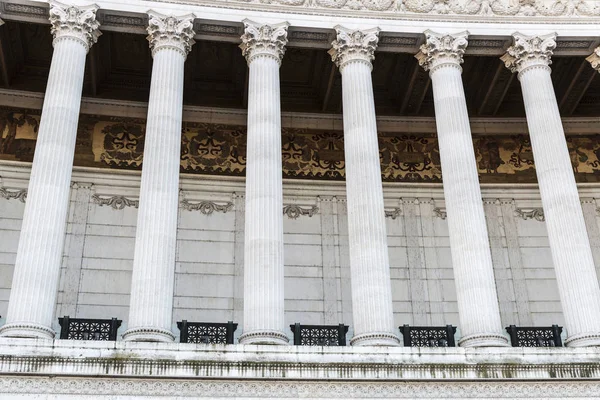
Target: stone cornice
column 71, row 22
column 442, row 49
column 264, row 40
column 354, row 45
column 529, row 51
column 167, row 31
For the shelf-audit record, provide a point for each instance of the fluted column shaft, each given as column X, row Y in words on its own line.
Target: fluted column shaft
column 151, row 304
column 264, row 46
column 476, row 295
column 369, row 261
column 39, row 255
column 569, row 243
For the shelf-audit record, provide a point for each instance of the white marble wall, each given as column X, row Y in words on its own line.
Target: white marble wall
column 98, row 252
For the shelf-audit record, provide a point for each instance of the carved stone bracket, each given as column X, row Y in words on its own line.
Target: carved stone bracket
column 294, row 211
column 354, row 46
column 167, row 31
column 206, row 207
column 442, row 49
column 393, row 213
column 71, row 22
column 594, row 59
column 532, row 213
column 20, row 195
column 529, row 51
column 440, row 213
column 116, row 202
column 264, row 40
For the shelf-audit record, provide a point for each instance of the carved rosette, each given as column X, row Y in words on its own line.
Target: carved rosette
column 169, row 32
column 529, row 51
column 264, row 40
column 354, row 46
column 594, row 59
column 442, row 50
column 75, row 23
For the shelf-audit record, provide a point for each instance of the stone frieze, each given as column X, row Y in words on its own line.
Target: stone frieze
column 217, row 149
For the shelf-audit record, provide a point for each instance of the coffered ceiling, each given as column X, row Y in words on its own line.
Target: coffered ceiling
column 119, row 67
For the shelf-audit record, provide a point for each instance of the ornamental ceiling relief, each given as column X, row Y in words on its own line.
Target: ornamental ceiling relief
column 218, row 149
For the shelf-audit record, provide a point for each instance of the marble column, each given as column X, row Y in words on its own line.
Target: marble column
column 353, row 53
column 569, row 243
column 151, row 305
column 264, row 46
column 476, row 295
column 39, row 255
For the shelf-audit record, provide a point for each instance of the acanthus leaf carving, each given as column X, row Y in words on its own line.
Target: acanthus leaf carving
column 442, row 49
column 354, row 45
column 264, row 40
column 533, row 213
column 594, row 59
column 528, row 51
column 206, row 207
column 294, row 211
column 167, row 31
column 116, row 202
column 73, row 22
column 20, row 195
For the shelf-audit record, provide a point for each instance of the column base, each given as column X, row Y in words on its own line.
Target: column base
column 264, row 337
column 27, row 330
column 583, row 340
column 484, row 340
column 148, row 334
column 375, row 339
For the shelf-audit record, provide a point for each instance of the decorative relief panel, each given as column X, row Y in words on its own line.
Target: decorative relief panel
column 217, row 149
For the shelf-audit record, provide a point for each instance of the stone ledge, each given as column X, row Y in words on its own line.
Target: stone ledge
column 246, row 362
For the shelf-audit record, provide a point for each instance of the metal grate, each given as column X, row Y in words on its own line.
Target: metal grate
column 521, row 336
column 206, row 332
column 88, row 329
column 319, row 335
column 428, row 336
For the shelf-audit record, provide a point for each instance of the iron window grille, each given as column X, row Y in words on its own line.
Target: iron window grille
column 206, row 332
column 521, row 336
column 428, row 336
column 88, row 329
column 319, row 335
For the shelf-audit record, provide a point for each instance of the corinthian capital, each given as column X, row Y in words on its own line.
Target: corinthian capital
column 442, row 49
column 529, row 51
column 594, row 59
column 71, row 22
column 169, row 32
column 265, row 40
column 354, row 46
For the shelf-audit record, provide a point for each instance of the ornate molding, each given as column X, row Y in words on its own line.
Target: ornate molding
column 530, row 213
column 20, row 195
column 116, row 202
column 594, row 59
column 529, row 51
column 442, row 49
column 393, row 213
column 440, row 212
column 354, row 45
column 206, row 207
column 71, row 22
column 169, row 32
column 264, row 40
column 294, row 211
